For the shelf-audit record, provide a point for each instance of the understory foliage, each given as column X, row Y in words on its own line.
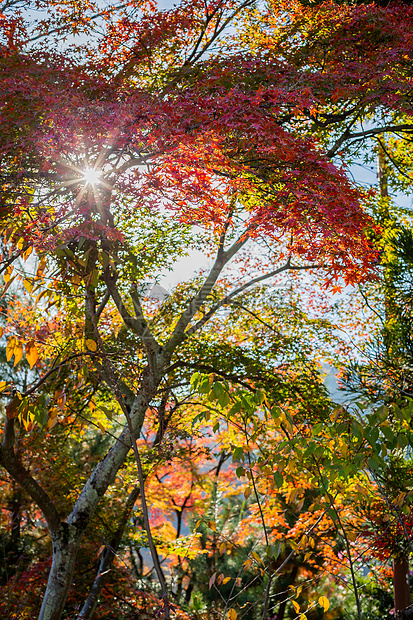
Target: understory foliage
column 169, row 448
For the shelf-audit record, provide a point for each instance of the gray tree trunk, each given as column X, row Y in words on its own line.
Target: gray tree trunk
column 65, row 547
column 66, row 540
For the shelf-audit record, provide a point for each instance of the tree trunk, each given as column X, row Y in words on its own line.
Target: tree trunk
column 66, row 543
column 401, row 583
column 66, row 539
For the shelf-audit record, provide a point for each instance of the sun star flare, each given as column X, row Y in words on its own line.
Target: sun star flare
column 91, row 176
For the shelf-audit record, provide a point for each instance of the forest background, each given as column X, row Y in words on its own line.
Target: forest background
column 178, row 455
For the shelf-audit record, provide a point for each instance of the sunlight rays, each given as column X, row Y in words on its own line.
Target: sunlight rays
column 91, row 176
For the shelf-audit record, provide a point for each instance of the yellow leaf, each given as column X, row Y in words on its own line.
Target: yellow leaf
column 28, row 285
column 303, row 617
column 324, row 602
column 256, row 556
column 31, row 353
column 3, row 385
column 91, row 344
column 18, row 353
column 53, row 413
column 40, row 295
column 8, row 273
column 222, row 548
column 27, row 253
column 296, row 606
column 232, row 614
column 1, row 331
column 102, row 428
column 51, row 422
column 226, row 580
column 100, row 550
column 10, row 348
column 247, row 492
column 212, row 525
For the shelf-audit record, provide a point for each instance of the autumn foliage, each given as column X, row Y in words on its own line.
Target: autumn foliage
column 192, row 422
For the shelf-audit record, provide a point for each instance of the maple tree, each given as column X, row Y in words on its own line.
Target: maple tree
column 220, row 126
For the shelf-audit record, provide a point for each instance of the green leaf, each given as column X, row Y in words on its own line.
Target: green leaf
column 224, row 399
column 238, row 455
column 373, row 463
column 278, row 479
column 275, row 412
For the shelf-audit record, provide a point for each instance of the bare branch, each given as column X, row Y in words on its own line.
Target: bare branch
column 225, row 300
column 346, row 136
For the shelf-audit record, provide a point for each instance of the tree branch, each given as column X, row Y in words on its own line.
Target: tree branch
column 365, row 134
column 107, row 557
column 138, row 324
column 222, row 258
column 225, row 300
column 19, row 473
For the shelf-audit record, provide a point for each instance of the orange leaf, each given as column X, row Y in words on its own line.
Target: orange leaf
column 31, row 353
column 296, row 606
column 11, row 408
column 18, row 353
